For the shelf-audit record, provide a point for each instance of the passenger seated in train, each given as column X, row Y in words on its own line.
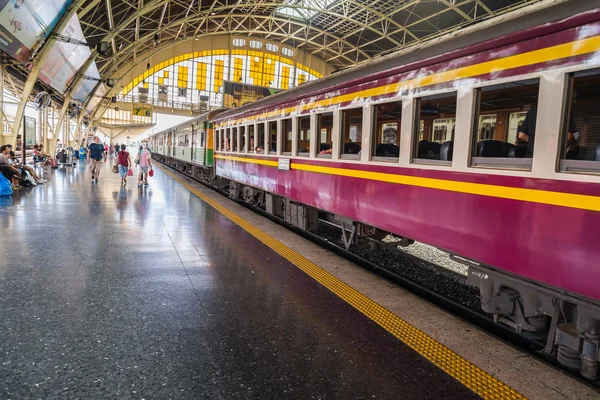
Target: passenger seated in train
column 527, row 130
column 325, row 148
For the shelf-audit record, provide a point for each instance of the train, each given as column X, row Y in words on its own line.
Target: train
column 484, row 143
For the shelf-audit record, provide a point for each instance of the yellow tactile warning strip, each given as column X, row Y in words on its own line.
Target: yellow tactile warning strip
column 561, row 199
column 454, row 365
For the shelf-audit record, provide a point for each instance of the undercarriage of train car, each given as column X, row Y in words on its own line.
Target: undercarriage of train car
column 569, row 325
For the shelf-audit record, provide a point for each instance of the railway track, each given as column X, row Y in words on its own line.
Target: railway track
column 434, row 283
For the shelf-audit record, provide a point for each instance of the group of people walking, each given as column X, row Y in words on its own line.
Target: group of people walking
column 98, row 154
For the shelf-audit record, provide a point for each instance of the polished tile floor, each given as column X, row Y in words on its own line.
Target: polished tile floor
column 110, row 292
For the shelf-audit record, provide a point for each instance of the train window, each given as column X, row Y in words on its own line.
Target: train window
column 580, row 147
column 386, row 130
column 234, row 139
column 273, row 137
column 504, row 125
column 435, row 121
column 324, row 132
column 286, row 128
column 251, row 140
column 228, row 140
column 240, row 138
column 351, row 137
column 304, row 135
column 217, row 140
column 259, row 145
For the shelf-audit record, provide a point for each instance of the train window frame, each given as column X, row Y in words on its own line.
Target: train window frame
column 374, row 133
column 570, row 166
column 241, row 134
column 342, row 136
column 416, row 128
column 299, row 135
column 282, row 123
column 248, row 136
column 505, row 163
column 270, row 137
column 223, row 140
column 319, row 133
column 257, row 141
column 228, row 140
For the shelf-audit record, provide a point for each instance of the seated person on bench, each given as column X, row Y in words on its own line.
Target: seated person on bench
column 9, row 172
column 24, row 168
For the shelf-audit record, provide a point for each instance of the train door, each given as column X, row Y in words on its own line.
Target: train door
column 169, row 144
column 194, row 143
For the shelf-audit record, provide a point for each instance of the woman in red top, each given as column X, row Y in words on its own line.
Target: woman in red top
column 124, row 163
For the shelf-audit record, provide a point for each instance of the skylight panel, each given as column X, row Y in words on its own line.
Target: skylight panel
column 303, row 9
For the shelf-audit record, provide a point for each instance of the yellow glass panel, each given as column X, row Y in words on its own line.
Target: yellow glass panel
column 269, row 73
column 237, row 69
column 301, row 79
column 256, row 70
column 146, row 85
column 285, row 77
column 201, row 69
column 161, row 81
column 218, row 78
column 166, row 74
column 182, row 77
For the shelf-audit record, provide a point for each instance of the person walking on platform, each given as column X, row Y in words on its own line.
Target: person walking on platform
column 96, row 153
column 145, row 165
column 124, row 162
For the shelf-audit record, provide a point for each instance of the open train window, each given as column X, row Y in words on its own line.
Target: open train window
column 304, row 135
column 385, row 144
column 228, row 139
column 580, row 144
column 235, row 139
column 272, row 137
column 351, row 137
column 286, row 128
column 217, row 140
column 241, row 139
column 259, row 144
column 250, row 147
column 435, row 122
column 504, row 125
column 324, row 134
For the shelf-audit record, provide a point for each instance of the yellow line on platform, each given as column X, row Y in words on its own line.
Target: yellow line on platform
column 471, row 376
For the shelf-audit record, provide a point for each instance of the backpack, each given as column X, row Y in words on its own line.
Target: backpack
column 26, row 179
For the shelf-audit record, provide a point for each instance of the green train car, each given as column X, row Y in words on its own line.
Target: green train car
column 187, row 147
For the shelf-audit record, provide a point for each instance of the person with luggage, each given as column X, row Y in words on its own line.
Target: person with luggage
column 96, row 153
column 144, row 163
column 124, row 163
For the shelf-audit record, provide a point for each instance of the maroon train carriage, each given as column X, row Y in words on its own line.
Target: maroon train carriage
column 485, row 145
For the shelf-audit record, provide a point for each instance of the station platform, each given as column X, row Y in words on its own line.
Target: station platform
column 161, row 292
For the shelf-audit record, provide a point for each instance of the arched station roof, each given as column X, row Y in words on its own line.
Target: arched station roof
column 340, row 33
